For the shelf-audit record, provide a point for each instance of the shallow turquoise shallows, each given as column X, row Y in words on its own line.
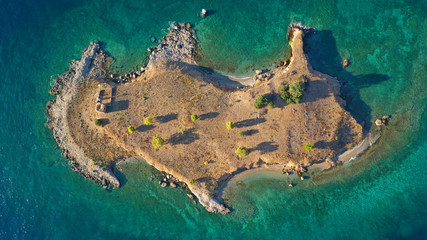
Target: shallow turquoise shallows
column 381, row 195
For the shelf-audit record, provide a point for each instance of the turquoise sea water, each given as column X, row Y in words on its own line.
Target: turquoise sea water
column 381, row 195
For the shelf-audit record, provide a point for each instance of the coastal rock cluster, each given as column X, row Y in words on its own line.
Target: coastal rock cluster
column 178, row 46
column 305, row 29
column 383, row 121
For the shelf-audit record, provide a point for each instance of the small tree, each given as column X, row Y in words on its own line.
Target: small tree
column 192, row 181
column 242, row 151
column 148, row 121
column 157, row 141
column 230, row 125
column 98, row 122
column 292, row 93
column 241, row 134
column 296, row 89
column 260, row 101
column 270, row 104
column 308, row 147
column 194, row 117
column 131, row 129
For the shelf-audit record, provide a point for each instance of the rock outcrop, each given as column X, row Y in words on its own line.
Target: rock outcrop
column 178, row 46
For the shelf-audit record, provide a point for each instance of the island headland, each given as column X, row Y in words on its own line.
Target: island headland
column 198, row 126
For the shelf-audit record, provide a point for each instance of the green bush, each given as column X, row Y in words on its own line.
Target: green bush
column 241, row 134
column 270, row 104
column 131, row 129
column 157, row 141
column 148, row 121
column 194, row 117
column 292, row 93
column 230, row 125
column 242, row 151
column 101, row 162
column 192, row 181
column 260, row 101
column 98, row 122
column 308, row 147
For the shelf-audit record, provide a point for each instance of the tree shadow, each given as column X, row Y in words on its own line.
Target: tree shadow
column 209, row 115
column 249, row 122
column 275, row 98
column 266, row 147
column 167, row 118
column 204, row 180
column 323, row 145
column 188, row 137
column 144, row 128
column 104, row 121
column 250, row 132
column 322, row 51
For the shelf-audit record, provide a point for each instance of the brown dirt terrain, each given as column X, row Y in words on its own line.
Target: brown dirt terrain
column 170, row 92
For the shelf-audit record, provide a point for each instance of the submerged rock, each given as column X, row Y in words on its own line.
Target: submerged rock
column 203, row 13
column 383, row 121
column 379, row 122
column 191, row 196
column 345, row 63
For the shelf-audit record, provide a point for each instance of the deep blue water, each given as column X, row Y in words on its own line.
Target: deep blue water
column 381, row 195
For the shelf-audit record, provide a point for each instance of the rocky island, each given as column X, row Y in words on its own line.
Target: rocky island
column 198, row 126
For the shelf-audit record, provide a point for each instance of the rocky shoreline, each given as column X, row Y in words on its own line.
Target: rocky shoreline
column 66, row 89
column 179, row 46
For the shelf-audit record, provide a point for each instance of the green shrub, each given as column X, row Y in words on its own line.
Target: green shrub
column 260, row 101
column 270, row 104
column 242, row 151
column 131, row 129
column 101, row 162
column 296, row 89
column 230, row 125
column 148, row 121
column 292, row 93
column 194, row 117
column 192, row 181
column 284, row 88
column 308, row 147
column 241, row 134
column 157, row 141
column 98, row 122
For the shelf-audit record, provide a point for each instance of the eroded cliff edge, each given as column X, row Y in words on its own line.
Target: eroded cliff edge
column 199, row 153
